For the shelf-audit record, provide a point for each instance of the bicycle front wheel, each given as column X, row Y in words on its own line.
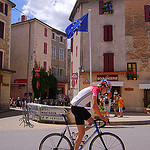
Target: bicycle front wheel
column 55, row 141
column 111, row 141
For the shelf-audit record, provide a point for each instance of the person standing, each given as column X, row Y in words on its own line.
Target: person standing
column 120, row 105
column 115, row 105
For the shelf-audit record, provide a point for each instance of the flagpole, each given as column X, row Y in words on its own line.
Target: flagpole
column 89, row 29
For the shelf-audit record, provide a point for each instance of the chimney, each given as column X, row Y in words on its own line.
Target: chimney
column 23, row 18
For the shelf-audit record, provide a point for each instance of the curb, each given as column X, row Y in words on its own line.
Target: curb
column 145, row 122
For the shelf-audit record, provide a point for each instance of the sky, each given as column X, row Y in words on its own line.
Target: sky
column 53, row 12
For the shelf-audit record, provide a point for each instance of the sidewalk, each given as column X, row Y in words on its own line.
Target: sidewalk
column 9, row 120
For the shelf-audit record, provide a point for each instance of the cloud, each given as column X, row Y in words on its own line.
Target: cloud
column 53, row 12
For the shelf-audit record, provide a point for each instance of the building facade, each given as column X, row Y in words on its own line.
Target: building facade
column 5, row 43
column 119, row 37
column 31, row 42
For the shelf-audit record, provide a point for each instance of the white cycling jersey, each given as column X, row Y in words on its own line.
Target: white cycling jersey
column 85, row 96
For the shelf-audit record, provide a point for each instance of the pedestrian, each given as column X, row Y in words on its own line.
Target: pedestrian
column 106, row 104
column 120, row 105
column 115, row 105
column 78, row 103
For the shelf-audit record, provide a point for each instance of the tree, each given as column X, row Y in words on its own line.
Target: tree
column 47, row 84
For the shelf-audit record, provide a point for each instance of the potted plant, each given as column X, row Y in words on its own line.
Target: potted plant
column 131, row 74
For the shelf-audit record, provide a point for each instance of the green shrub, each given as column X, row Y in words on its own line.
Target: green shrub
column 148, row 106
column 101, row 108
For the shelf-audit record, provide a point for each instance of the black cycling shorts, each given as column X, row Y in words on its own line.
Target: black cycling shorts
column 80, row 114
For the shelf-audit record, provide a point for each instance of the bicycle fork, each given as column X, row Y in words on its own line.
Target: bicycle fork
column 101, row 137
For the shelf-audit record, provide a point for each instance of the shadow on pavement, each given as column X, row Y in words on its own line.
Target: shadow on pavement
column 10, row 113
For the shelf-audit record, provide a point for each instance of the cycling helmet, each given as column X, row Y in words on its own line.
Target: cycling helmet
column 105, row 83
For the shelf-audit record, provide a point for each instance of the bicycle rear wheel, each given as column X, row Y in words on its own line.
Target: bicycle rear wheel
column 52, row 142
column 112, row 142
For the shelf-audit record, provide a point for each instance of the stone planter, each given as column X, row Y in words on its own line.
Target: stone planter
column 148, row 111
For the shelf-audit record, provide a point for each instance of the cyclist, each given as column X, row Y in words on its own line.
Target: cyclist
column 78, row 103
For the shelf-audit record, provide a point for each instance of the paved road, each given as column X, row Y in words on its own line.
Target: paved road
column 15, row 137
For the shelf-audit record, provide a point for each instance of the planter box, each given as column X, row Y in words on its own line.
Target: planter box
column 148, row 111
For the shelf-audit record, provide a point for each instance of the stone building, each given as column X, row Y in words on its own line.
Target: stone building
column 120, row 49
column 5, row 39
column 33, row 40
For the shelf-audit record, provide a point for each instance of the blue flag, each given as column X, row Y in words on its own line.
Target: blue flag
column 78, row 25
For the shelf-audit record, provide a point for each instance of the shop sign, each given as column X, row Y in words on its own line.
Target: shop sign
column 74, row 76
column 20, row 81
column 129, row 89
column 108, row 77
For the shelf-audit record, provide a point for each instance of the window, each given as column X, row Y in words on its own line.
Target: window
column 108, row 33
column 76, row 51
column 45, row 32
column 53, row 36
column 53, row 51
column 105, row 7
column 71, row 67
column 108, row 62
column 54, row 70
column 61, row 39
column 3, row 8
column 1, row 59
column 2, row 30
column 71, row 44
column 45, row 65
column 45, row 48
column 61, row 71
column 61, row 54
column 131, row 71
column 147, row 13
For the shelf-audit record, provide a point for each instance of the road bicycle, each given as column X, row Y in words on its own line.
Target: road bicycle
column 101, row 141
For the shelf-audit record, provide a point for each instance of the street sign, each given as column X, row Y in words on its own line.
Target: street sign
column 36, row 69
column 73, row 83
column 37, row 75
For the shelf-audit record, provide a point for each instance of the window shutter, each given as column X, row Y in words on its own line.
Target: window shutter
column 6, row 9
column 45, row 32
column 147, row 13
column 45, row 48
column 71, row 44
column 1, row 58
column 105, row 33
column 101, row 5
column 1, row 30
column 1, row 7
column 110, row 36
column 111, row 62
column 106, row 69
column 45, row 65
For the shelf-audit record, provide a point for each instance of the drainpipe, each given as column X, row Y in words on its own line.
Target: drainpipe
column 28, row 57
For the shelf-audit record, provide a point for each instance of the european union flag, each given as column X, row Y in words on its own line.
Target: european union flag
column 78, row 25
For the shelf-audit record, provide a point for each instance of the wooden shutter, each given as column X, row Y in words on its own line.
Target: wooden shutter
column 110, row 33
column 45, row 65
column 111, row 62
column 105, row 33
column 1, row 7
column 1, row 59
column 101, row 5
column 6, row 9
column 45, row 32
column 147, row 13
column 106, row 69
column 71, row 44
column 1, row 30
column 45, row 48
